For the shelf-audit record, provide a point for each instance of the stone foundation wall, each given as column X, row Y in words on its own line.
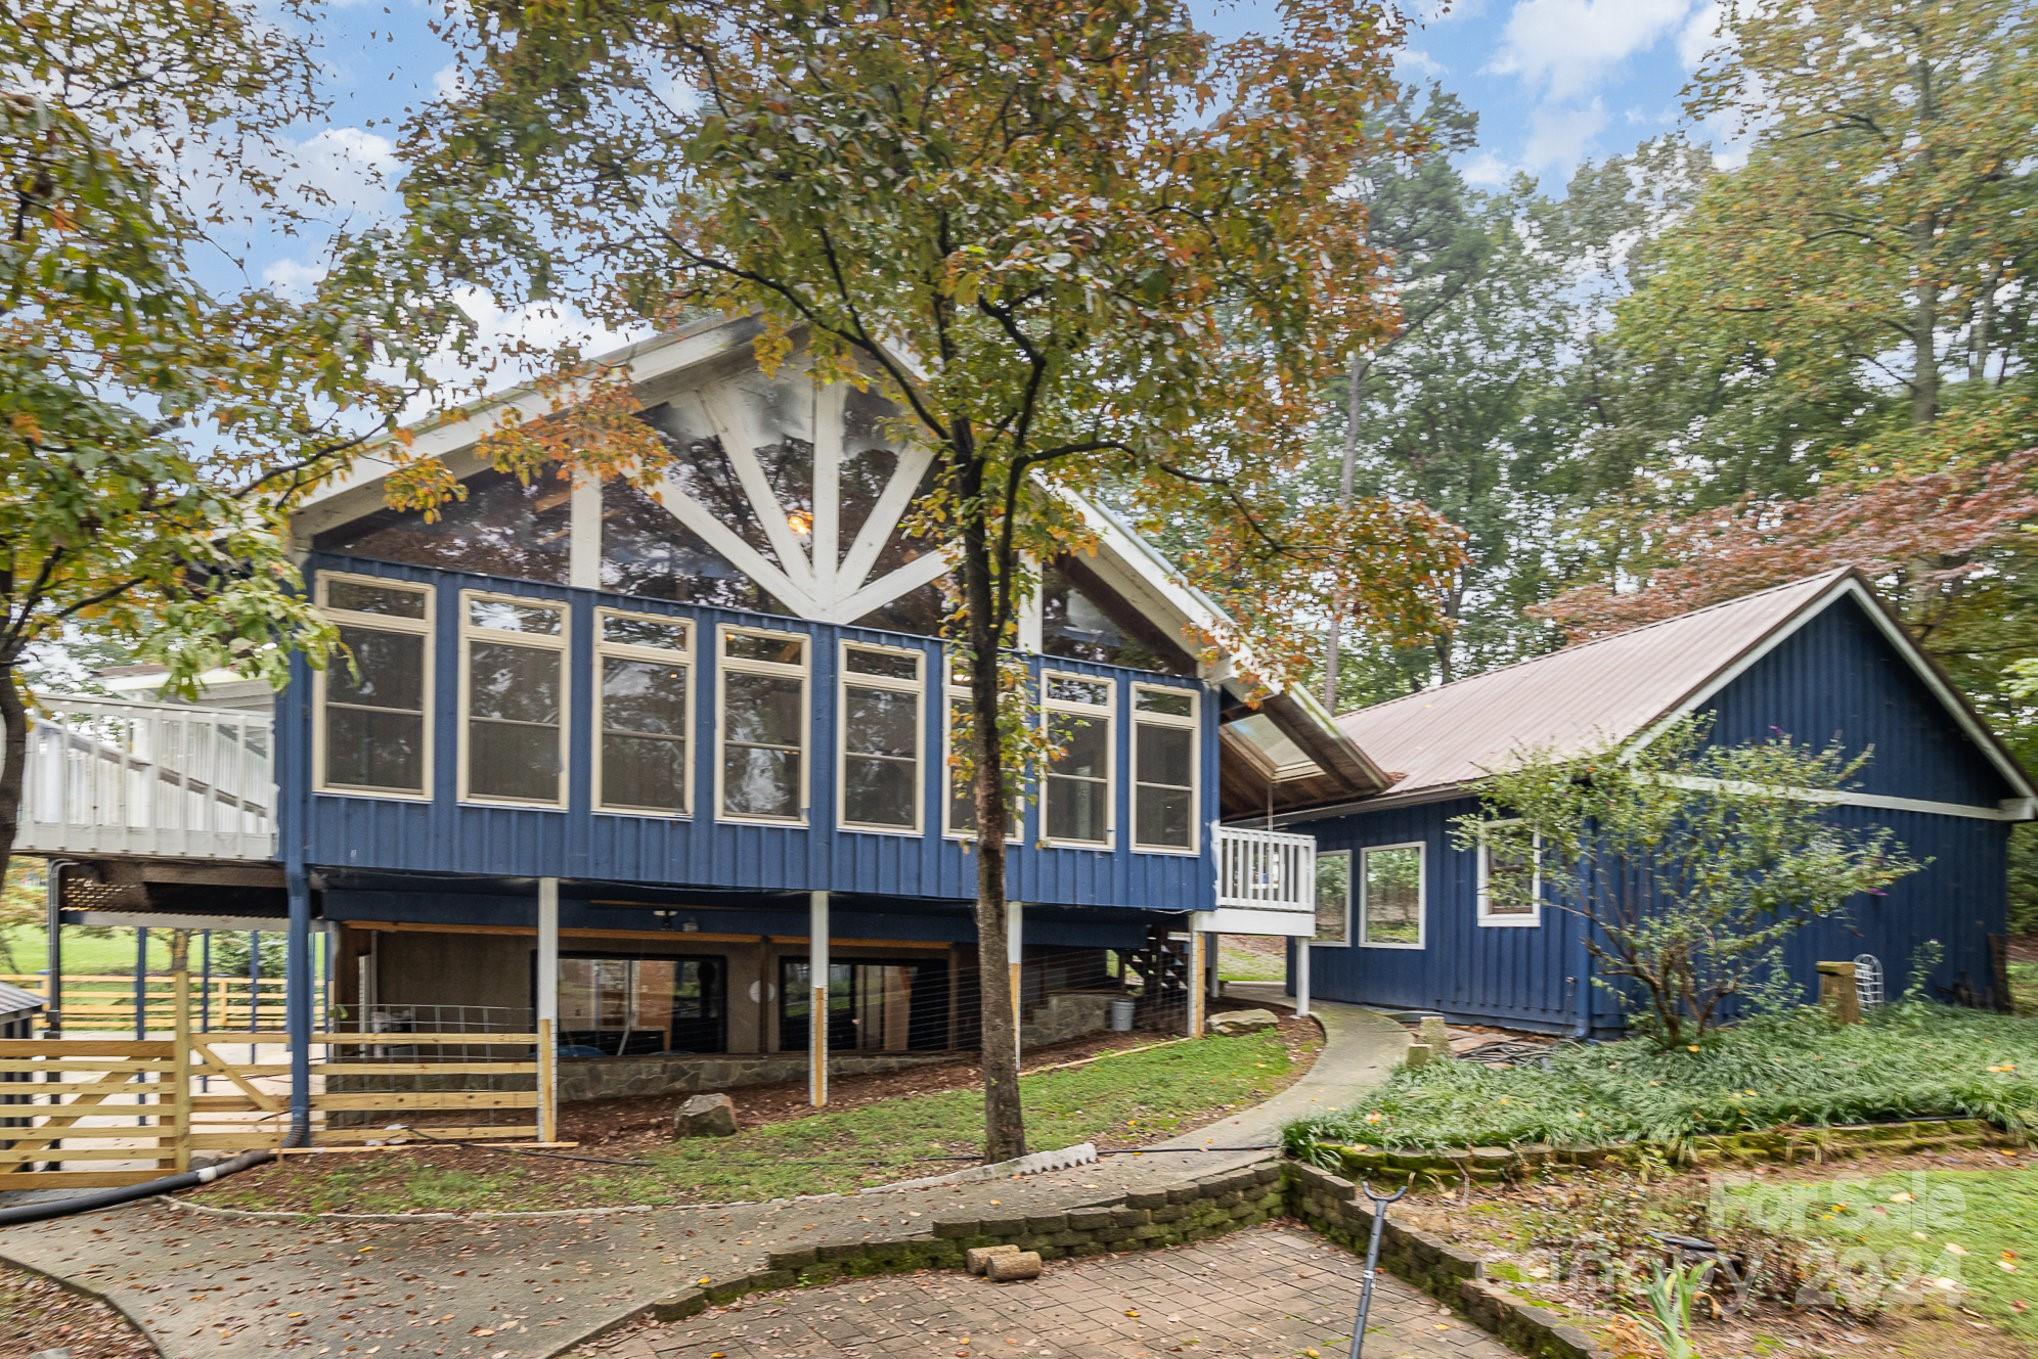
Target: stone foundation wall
column 671, row 1073
column 1067, row 1015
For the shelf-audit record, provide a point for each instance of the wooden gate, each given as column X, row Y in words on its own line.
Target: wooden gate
column 96, row 1112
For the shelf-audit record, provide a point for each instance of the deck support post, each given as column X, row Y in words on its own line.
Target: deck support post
column 1197, row 1004
column 817, row 1014
column 296, row 998
column 1015, row 954
column 547, row 1007
column 1211, row 967
column 1302, row 952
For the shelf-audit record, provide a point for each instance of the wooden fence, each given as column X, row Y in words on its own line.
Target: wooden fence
column 101, row 1111
column 105, row 1002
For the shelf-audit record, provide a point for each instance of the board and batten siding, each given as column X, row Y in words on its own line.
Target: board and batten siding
column 1838, row 679
column 444, row 835
column 1520, row 975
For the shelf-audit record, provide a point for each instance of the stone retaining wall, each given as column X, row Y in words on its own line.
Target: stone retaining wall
column 1455, row 1166
column 1331, row 1207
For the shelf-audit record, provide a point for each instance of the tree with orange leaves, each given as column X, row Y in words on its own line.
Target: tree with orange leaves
column 1088, row 250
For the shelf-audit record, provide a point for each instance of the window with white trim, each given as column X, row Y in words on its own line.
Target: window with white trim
column 879, row 720
column 374, row 700
column 1076, row 790
column 513, row 688
column 761, row 710
column 1391, row 896
column 1165, row 738
column 1510, row 874
column 959, row 809
column 1334, row 897
column 642, row 706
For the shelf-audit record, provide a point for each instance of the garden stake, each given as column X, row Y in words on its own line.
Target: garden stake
column 1379, row 1202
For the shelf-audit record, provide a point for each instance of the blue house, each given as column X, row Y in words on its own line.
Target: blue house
column 666, row 768
column 1404, row 916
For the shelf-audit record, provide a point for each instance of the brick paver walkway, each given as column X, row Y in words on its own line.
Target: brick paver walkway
column 1267, row 1293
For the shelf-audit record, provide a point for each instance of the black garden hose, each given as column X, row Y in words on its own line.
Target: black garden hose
column 23, row 1214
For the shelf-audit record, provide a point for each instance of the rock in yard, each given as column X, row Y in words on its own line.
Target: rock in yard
column 1243, row 1021
column 705, row 1116
column 979, row 1257
column 1013, row 1266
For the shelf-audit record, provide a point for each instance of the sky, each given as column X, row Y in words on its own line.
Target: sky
column 1555, row 83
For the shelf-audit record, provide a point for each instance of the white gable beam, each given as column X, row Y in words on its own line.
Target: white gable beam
column 740, row 554
column 739, row 442
column 831, row 406
column 924, row 569
column 885, row 515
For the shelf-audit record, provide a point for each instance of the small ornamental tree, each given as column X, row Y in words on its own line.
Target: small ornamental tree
column 1085, row 249
column 1690, row 864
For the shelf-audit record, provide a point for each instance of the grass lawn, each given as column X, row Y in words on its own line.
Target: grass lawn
column 1972, row 1226
column 1115, row 1101
column 1239, row 961
column 100, row 953
column 2024, row 987
column 1907, row 1060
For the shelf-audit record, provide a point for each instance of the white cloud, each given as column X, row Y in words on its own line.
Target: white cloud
column 447, row 82
column 1563, row 46
column 1486, row 171
column 1412, row 62
column 293, row 279
column 1699, row 35
column 505, row 341
column 353, row 166
column 1559, row 137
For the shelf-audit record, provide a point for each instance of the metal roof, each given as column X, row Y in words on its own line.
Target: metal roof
column 13, row 1000
column 1573, row 701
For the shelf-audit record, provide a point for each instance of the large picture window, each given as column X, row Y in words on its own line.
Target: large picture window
column 513, row 699
column 374, row 728
column 879, row 722
column 960, row 806
column 1076, row 797
column 1334, row 897
column 1164, row 749
column 761, row 726
column 620, row 1006
column 643, row 667
column 1391, row 896
column 1510, row 874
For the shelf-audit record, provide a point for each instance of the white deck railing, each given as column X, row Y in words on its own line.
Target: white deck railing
column 1264, row 870
column 118, row 777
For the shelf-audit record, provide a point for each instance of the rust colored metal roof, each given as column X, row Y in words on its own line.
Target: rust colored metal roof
column 1572, row 701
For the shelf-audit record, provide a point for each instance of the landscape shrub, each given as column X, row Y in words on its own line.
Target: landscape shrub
column 1908, row 1060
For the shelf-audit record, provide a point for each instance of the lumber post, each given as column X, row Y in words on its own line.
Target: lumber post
column 548, row 1083
column 179, row 1117
column 817, row 985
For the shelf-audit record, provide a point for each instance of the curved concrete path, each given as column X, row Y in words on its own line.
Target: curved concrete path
column 205, row 1284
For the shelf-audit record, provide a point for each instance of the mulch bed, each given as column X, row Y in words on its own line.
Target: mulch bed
column 37, row 1316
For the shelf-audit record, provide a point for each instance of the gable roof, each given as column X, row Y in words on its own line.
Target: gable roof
column 1617, row 689
column 1136, row 569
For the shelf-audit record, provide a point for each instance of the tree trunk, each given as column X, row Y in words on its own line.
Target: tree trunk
column 14, row 717
column 1004, row 1121
column 1356, row 380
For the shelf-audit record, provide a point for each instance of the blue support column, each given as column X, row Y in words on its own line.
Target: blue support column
column 297, row 976
column 141, row 985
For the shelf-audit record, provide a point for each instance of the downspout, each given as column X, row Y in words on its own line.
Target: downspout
column 297, row 889
column 53, row 1013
